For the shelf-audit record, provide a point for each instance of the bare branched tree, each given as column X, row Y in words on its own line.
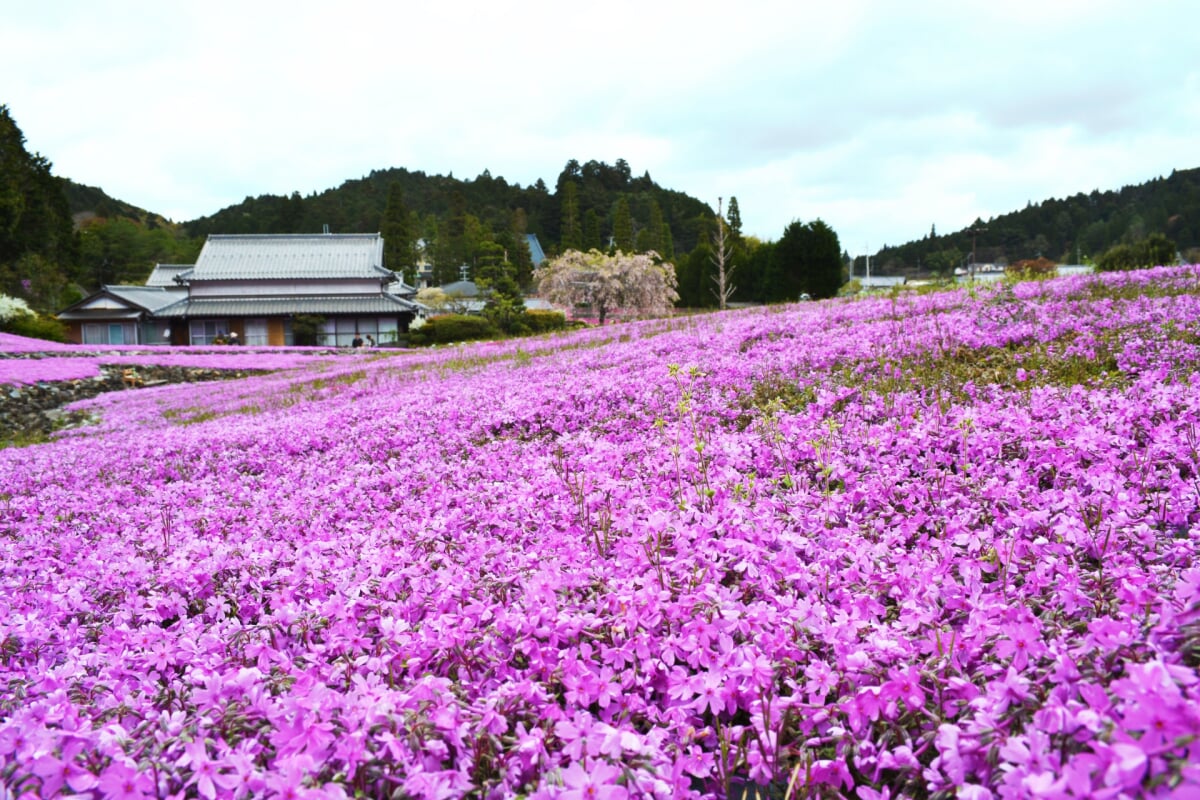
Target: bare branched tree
column 725, row 288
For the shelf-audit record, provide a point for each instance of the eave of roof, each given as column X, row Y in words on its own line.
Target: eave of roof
column 288, row 306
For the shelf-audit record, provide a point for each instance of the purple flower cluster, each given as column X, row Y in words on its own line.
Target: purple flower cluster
column 941, row 545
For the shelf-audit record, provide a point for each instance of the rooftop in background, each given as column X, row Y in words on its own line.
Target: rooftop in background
column 461, row 289
column 165, row 274
column 290, row 256
column 151, row 298
column 124, row 303
column 536, row 253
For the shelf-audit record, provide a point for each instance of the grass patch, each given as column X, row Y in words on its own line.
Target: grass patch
column 951, row 375
column 191, row 415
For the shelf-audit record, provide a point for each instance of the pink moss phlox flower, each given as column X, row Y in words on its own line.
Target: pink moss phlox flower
column 904, row 683
column 1020, row 643
column 62, row 770
column 121, row 780
column 595, row 781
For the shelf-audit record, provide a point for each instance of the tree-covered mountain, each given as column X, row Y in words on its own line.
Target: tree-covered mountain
column 1071, row 230
column 456, row 222
column 120, row 243
column 36, row 237
column 91, row 202
column 59, row 239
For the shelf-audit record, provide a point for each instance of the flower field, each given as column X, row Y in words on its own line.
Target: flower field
column 931, row 546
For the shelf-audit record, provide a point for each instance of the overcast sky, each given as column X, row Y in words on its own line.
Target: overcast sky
column 881, row 118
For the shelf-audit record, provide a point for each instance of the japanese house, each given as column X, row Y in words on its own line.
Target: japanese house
column 259, row 287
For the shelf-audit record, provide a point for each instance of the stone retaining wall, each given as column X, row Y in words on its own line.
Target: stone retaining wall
column 31, row 412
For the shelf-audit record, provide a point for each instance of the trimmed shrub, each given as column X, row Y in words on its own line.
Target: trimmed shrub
column 34, row 326
column 544, row 321
column 452, row 328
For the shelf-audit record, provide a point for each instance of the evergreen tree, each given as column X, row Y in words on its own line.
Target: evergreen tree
column 623, row 226
column 496, row 276
column 572, row 231
column 37, row 245
column 291, row 218
column 668, row 243
column 733, row 219
column 753, row 271
column 591, row 230
column 651, row 237
column 452, row 251
column 516, row 248
column 824, row 266
column 695, row 278
column 399, row 229
column 806, row 260
column 624, row 173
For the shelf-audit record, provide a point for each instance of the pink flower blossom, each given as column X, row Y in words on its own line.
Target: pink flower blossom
column 597, row 781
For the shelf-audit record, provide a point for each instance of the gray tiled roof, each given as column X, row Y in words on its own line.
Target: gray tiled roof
column 138, row 299
column 291, row 256
column 399, row 288
column 164, row 274
column 461, row 289
column 283, row 306
column 84, row 314
column 151, row 298
column 536, row 253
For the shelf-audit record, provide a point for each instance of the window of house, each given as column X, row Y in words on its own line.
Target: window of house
column 388, row 331
column 327, row 336
column 347, row 327
column 203, row 331
column 95, row 333
column 256, row 331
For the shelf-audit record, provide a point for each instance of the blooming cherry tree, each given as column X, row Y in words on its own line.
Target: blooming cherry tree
column 640, row 283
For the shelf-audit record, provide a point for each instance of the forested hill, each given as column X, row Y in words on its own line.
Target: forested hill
column 594, row 201
column 60, row 240
column 1071, row 230
column 90, row 202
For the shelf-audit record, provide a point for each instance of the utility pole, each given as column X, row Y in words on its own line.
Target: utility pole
column 974, row 230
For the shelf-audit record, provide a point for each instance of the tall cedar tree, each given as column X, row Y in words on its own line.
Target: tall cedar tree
column 572, row 232
column 733, row 217
column 399, row 229
column 592, row 238
column 651, row 236
column 452, row 250
column 807, row 259
column 623, row 226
